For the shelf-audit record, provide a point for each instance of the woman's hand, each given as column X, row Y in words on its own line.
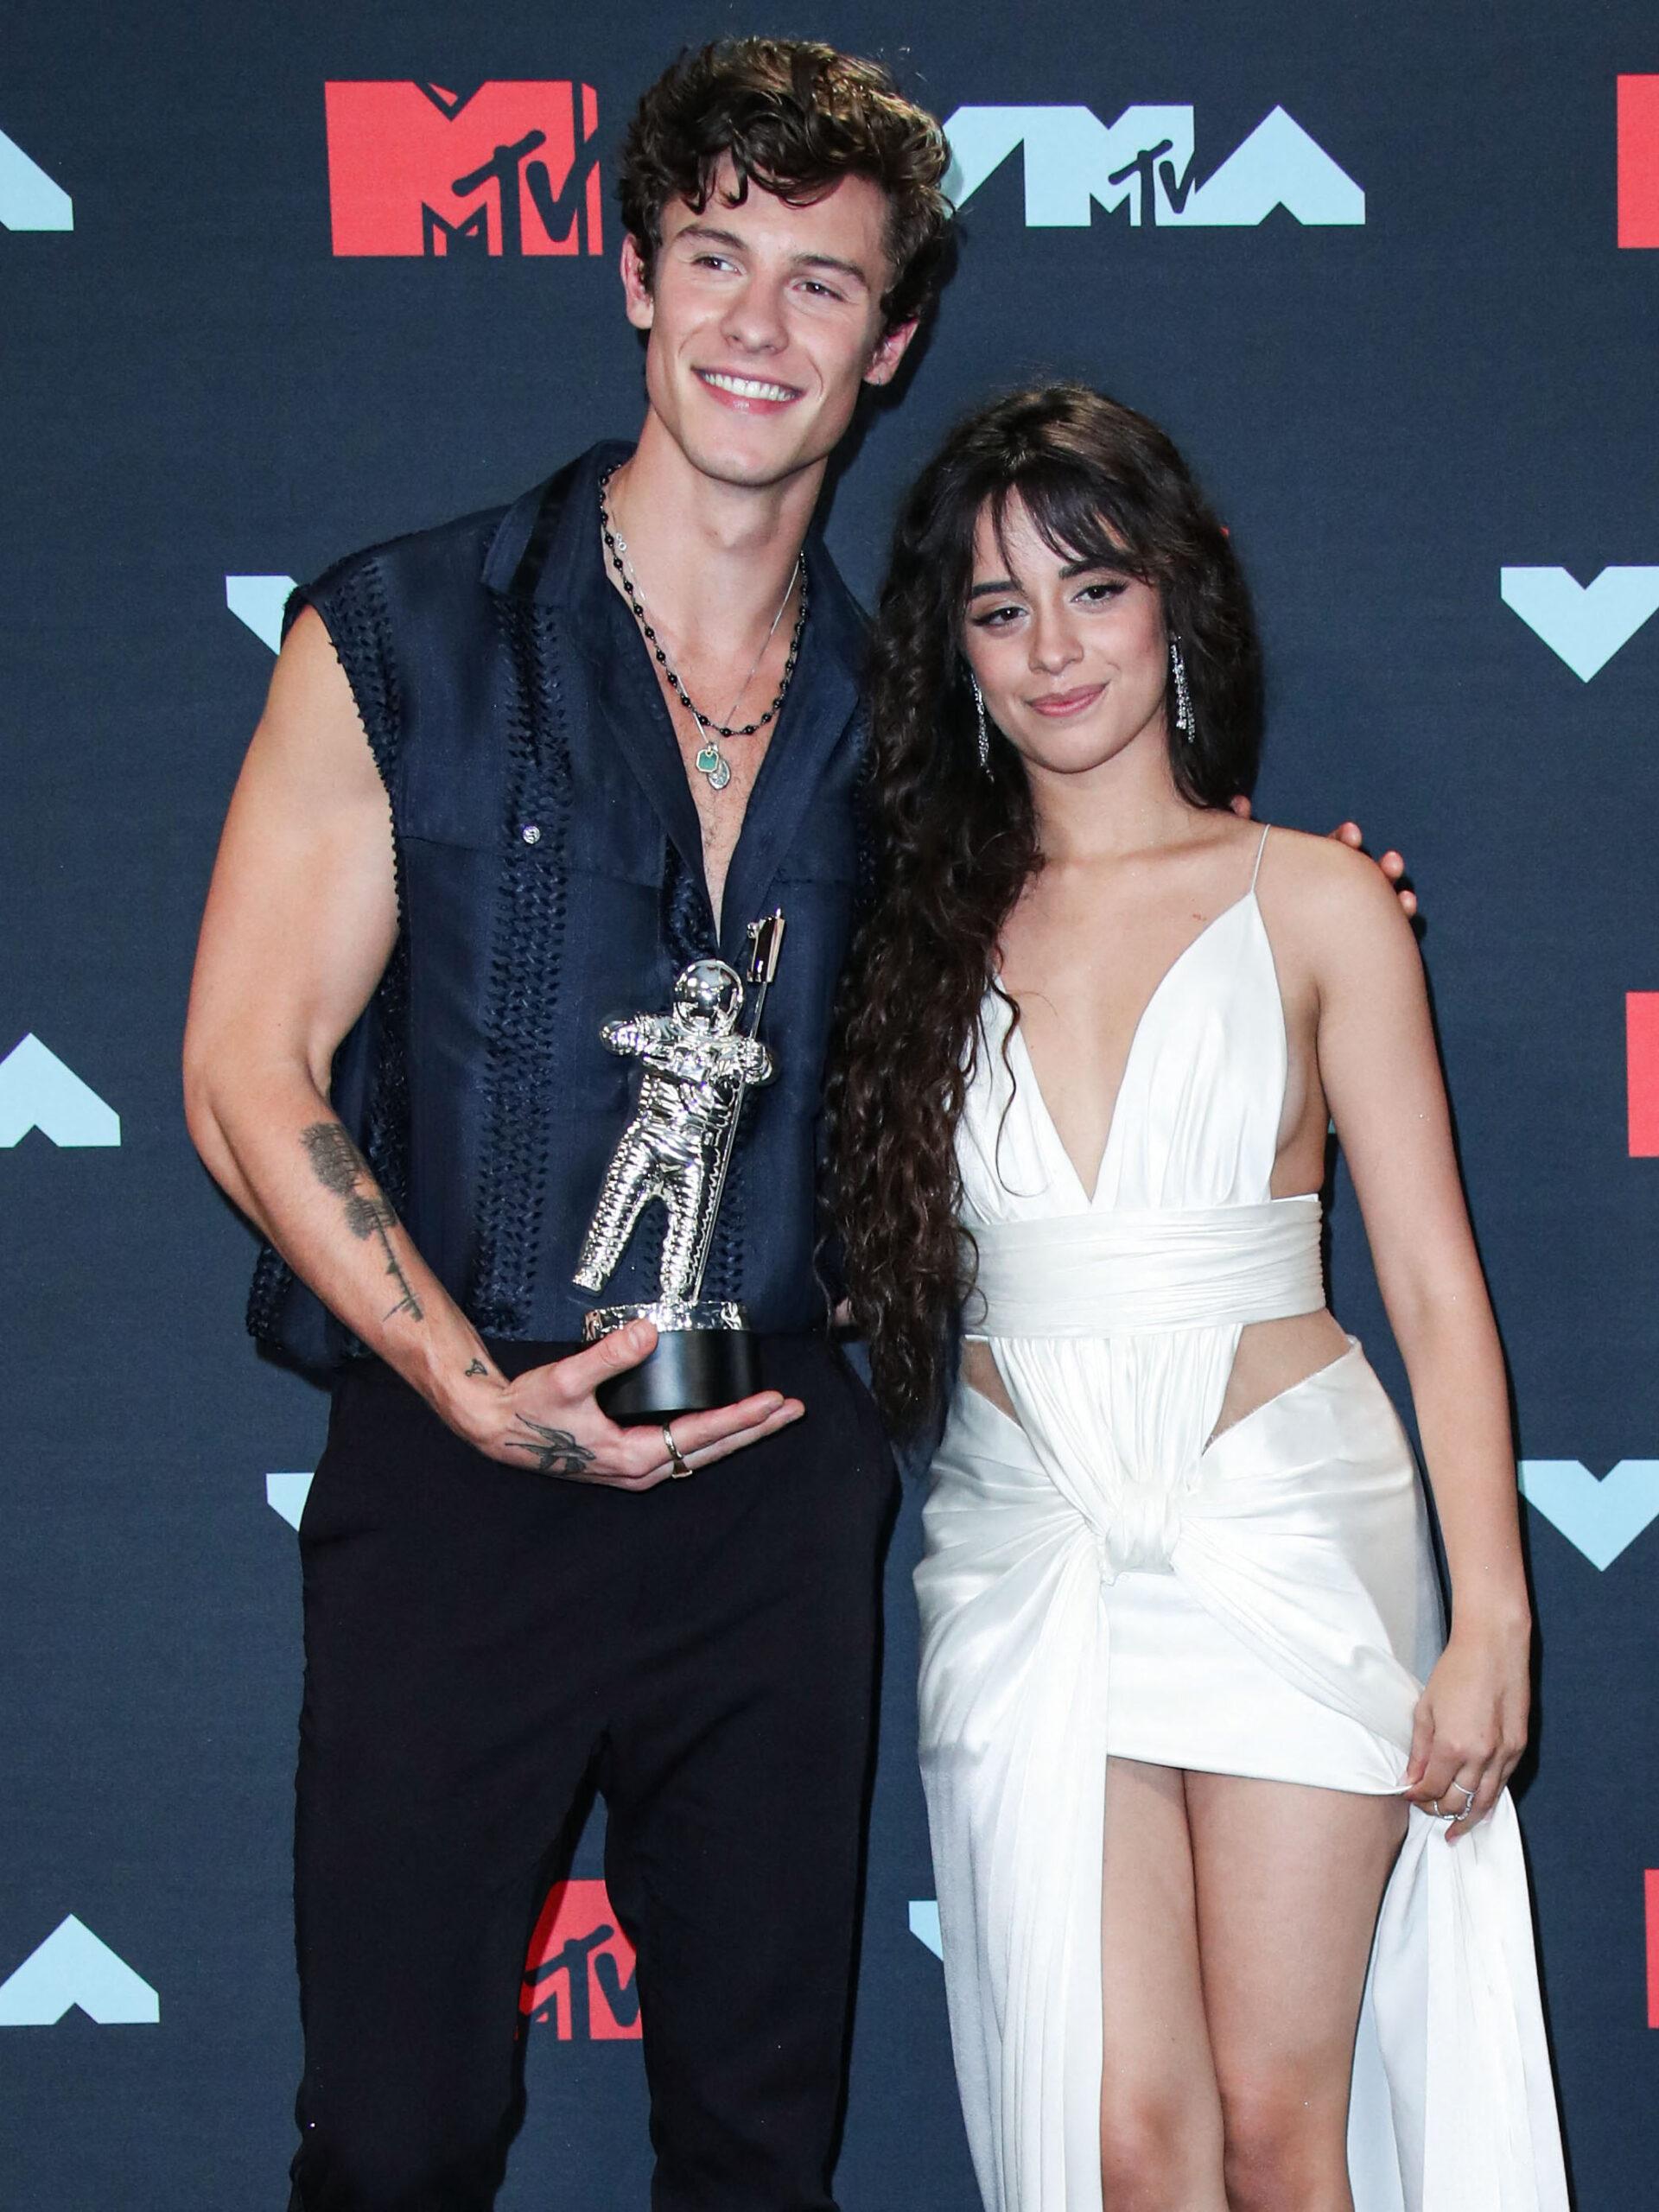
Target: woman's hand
column 1471, row 1725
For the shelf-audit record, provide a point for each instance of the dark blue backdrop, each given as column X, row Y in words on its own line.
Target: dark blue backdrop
column 1390, row 413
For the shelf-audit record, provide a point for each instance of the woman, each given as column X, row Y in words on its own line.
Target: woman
column 1189, row 1737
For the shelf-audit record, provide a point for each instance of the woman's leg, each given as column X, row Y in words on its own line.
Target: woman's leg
column 1289, row 1883
column 1161, row 2136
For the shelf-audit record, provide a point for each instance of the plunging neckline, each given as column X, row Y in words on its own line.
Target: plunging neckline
column 1089, row 1195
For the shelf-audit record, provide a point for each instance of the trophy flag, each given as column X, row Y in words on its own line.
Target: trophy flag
column 766, row 944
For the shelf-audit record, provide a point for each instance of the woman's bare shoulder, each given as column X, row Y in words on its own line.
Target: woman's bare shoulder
column 1329, row 902
column 1326, row 879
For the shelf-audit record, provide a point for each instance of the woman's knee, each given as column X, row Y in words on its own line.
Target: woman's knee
column 1158, row 2153
column 1284, row 2147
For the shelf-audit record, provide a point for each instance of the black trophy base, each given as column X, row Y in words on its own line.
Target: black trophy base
column 705, row 1356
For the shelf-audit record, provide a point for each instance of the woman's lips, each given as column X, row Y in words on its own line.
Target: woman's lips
column 1056, row 704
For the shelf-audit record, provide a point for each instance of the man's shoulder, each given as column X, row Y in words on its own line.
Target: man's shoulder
column 472, row 551
column 454, row 550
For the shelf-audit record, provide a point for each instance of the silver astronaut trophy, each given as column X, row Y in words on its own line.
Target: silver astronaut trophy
column 698, row 1067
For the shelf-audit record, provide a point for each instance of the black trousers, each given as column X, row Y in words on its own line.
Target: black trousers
column 482, row 1643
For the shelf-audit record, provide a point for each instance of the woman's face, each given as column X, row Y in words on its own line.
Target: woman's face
column 1072, row 659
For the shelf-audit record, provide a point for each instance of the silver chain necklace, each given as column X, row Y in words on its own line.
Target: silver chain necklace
column 710, row 760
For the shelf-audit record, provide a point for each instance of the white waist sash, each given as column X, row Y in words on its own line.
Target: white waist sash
column 1115, row 1273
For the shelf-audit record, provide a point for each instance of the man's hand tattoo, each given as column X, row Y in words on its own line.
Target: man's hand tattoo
column 340, row 1168
column 555, row 1451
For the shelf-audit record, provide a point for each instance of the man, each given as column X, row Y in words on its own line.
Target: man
column 514, row 774
column 480, row 816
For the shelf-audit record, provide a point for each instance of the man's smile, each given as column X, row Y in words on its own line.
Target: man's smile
column 747, row 390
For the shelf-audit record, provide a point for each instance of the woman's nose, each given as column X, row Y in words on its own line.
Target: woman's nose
column 1054, row 642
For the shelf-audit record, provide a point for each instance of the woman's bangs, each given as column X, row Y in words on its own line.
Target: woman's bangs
column 1079, row 516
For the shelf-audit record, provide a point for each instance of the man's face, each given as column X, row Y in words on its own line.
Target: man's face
column 765, row 320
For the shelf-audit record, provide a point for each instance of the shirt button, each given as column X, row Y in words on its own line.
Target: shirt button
column 531, row 833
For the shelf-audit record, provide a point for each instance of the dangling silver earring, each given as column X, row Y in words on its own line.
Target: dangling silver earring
column 1184, row 725
column 984, row 732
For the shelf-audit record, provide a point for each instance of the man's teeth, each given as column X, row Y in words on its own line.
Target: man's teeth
column 746, row 387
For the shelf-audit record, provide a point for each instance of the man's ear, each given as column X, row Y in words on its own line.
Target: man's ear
column 884, row 362
column 636, row 285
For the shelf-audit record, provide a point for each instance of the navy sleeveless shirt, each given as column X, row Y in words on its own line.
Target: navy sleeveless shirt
column 550, row 878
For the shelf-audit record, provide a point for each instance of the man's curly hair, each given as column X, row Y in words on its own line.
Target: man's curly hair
column 795, row 117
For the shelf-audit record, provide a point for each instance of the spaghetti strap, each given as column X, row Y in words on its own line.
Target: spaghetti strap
column 1259, row 849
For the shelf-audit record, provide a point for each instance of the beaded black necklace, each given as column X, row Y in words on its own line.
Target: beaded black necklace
column 710, row 760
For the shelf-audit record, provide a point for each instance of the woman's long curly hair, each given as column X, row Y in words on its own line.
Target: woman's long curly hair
column 955, row 844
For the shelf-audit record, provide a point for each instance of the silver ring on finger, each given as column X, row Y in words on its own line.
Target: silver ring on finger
column 678, row 1460
column 1464, row 1790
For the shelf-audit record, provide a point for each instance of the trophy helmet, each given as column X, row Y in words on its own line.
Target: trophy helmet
column 708, row 995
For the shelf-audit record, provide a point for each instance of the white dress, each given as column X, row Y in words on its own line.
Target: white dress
column 1099, row 1580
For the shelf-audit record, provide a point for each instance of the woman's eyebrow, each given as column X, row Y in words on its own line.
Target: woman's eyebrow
column 1116, row 565
column 1000, row 584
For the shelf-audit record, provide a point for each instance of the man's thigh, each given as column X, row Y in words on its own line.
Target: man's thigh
column 455, row 1664
column 737, row 1781
column 462, row 1625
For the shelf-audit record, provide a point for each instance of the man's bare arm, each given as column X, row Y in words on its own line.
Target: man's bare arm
column 300, row 920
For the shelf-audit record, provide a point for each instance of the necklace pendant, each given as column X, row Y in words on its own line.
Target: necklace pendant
column 713, row 763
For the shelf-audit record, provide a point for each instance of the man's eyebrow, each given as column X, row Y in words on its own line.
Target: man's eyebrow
column 830, row 261
column 711, row 232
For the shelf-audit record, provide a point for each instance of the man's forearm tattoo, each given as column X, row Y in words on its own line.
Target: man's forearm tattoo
column 476, row 1367
column 340, row 1168
column 555, row 1451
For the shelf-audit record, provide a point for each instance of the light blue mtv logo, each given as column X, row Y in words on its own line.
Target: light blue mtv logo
column 286, row 1494
column 258, row 602
column 925, row 1924
column 72, row 1966
column 37, row 1091
column 1603, row 1517
column 1146, row 160
column 29, row 201
column 1583, row 624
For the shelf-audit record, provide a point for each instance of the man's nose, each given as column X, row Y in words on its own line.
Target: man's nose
column 754, row 318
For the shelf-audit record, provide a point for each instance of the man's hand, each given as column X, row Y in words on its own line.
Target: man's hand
column 1350, row 833
column 1392, row 865
column 548, row 1419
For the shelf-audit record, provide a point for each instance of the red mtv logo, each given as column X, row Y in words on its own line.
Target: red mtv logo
column 1638, row 161
column 505, row 169
column 1641, row 1069
column 579, row 1971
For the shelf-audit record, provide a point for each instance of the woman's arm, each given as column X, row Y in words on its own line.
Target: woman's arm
column 1382, row 1076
